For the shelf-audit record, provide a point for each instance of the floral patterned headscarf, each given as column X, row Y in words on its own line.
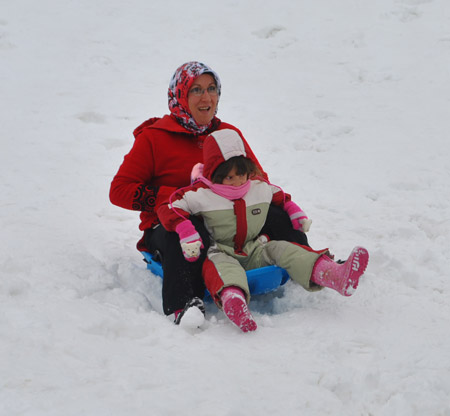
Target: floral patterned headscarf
column 179, row 87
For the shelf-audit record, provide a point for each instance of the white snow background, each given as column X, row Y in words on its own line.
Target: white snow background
column 346, row 104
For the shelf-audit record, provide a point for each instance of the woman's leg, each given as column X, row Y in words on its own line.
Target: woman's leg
column 278, row 226
column 182, row 279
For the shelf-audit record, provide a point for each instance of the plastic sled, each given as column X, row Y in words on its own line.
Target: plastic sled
column 260, row 281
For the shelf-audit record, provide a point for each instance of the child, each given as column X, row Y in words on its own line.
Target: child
column 233, row 202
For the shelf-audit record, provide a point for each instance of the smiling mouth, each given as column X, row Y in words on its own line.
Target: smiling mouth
column 204, row 108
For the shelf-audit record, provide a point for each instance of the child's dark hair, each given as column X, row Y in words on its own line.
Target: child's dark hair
column 242, row 165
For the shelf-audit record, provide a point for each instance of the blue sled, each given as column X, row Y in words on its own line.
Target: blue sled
column 260, row 281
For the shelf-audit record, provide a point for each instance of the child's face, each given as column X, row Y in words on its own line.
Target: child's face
column 234, row 179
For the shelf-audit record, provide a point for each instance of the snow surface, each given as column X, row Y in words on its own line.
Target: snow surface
column 346, row 103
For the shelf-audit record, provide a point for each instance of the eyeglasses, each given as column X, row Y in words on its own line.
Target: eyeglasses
column 198, row 91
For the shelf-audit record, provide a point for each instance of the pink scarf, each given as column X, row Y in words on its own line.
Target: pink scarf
column 227, row 191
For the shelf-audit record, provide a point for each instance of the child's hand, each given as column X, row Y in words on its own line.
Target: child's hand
column 298, row 218
column 191, row 251
column 190, row 240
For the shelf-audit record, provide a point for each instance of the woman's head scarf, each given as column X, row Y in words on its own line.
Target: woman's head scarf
column 179, row 87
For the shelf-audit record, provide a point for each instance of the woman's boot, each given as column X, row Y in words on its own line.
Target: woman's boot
column 343, row 278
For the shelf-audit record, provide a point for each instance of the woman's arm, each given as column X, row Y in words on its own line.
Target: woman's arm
column 131, row 187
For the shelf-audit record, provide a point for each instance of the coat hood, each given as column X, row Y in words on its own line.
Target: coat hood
column 220, row 146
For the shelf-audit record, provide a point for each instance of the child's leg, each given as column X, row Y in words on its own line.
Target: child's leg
column 297, row 260
column 221, row 270
column 226, row 281
column 311, row 268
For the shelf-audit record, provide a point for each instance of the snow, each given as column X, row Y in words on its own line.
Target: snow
column 345, row 103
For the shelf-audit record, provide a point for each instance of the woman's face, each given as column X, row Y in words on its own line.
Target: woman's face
column 203, row 107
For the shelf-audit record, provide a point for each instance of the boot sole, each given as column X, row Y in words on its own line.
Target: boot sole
column 356, row 266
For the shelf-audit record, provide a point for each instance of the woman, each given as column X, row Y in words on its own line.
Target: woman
column 160, row 161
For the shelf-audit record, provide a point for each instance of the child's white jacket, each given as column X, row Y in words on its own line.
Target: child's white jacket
column 235, row 225
column 232, row 224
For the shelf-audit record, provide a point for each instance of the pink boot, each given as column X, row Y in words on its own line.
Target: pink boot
column 235, row 308
column 343, row 278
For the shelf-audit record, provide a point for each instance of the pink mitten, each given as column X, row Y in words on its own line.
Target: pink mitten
column 197, row 171
column 190, row 240
column 298, row 218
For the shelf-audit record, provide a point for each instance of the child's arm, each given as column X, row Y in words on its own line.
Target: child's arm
column 299, row 219
column 190, row 240
column 174, row 217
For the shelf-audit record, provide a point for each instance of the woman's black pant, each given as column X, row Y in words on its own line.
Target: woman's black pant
column 182, row 279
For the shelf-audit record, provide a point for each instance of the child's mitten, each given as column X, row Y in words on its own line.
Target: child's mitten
column 298, row 218
column 190, row 240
